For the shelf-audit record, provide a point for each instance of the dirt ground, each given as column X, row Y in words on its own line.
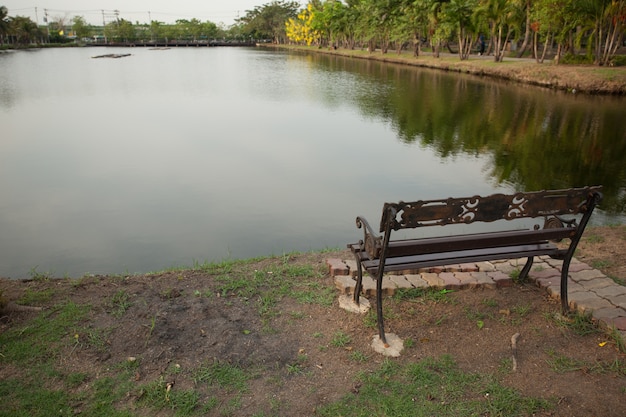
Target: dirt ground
column 176, row 321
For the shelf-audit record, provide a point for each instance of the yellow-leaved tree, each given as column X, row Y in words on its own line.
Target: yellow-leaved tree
column 300, row 30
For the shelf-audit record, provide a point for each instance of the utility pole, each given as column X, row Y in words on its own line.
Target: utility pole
column 104, row 25
column 37, row 23
column 45, row 20
column 151, row 29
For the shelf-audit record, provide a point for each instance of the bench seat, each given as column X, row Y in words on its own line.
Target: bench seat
column 402, row 263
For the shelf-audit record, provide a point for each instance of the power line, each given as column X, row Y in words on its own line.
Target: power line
column 95, row 14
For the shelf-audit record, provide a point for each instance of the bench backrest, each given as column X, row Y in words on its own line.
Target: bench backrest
column 489, row 209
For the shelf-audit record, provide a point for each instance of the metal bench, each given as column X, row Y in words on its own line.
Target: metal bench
column 565, row 214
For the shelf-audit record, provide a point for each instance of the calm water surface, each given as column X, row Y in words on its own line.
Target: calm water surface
column 171, row 157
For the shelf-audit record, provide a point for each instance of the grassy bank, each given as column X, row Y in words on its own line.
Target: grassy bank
column 573, row 78
column 265, row 337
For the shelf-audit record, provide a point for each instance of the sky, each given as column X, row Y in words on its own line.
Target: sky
column 167, row 11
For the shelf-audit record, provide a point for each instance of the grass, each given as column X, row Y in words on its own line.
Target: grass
column 97, row 338
column 561, row 363
column 618, row 280
column 44, row 389
column 270, row 284
column 579, row 323
column 40, row 276
column 490, row 302
column 594, row 238
column 515, row 275
column 223, row 375
column 616, row 336
column 432, row 386
column 223, row 380
column 340, row 339
column 600, row 264
column 521, row 310
column 422, row 295
column 511, row 316
column 39, row 340
column 119, row 303
column 160, row 395
column 358, row 356
column 35, row 298
column 475, row 315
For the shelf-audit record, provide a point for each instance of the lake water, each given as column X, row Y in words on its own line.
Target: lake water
column 172, row 157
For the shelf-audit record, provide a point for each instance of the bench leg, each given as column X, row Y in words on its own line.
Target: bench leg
column 526, row 269
column 564, row 274
column 379, row 307
column 359, row 281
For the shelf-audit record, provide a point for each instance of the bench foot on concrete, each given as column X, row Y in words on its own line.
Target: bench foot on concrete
column 347, row 303
column 395, row 345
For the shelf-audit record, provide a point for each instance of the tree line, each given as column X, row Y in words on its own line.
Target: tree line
column 265, row 22
column 591, row 30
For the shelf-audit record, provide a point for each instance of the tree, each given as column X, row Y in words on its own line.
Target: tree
column 329, row 21
column 416, row 15
column 554, row 20
column 504, row 18
column 402, row 30
column 120, row 30
column 601, row 24
column 209, row 30
column 156, row 30
column 190, row 29
column 527, row 28
column 4, row 23
column 300, row 30
column 23, row 30
column 460, row 14
column 268, row 21
column 173, row 32
column 615, row 21
column 366, row 23
column 437, row 33
column 57, row 28
column 81, row 28
column 387, row 16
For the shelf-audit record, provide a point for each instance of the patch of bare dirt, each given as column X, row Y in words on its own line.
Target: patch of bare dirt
column 176, row 322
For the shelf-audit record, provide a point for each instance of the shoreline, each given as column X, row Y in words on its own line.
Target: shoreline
column 606, row 232
column 588, row 79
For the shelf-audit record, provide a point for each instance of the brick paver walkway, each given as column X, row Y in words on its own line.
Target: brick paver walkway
column 589, row 289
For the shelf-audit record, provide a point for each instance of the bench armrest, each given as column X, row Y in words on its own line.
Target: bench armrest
column 372, row 243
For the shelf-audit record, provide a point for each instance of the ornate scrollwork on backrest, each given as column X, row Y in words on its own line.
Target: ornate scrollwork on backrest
column 495, row 207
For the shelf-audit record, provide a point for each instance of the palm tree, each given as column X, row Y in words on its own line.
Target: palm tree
column 527, row 30
column 24, row 30
column 503, row 16
column 4, row 23
column 459, row 13
column 603, row 23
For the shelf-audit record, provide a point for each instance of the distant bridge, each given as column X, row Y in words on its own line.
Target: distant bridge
column 171, row 44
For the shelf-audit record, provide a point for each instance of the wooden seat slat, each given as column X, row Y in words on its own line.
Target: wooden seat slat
column 461, row 256
column 481, row 240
